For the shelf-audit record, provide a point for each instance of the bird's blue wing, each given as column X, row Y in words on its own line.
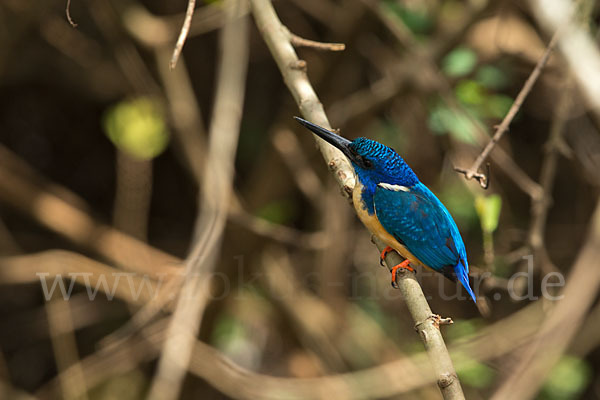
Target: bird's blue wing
column 416, row 218
column 419, row 221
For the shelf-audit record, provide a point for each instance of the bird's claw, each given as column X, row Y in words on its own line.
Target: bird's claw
column 384, row 253
column 403, row 265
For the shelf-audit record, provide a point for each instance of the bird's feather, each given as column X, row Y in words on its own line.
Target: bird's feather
column 418, row 220
column 394, row 205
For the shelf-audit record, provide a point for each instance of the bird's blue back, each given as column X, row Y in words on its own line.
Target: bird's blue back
column 421, row 222
column 409, row 211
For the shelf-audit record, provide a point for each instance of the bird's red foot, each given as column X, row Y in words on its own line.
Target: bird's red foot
column 384, row 253
column 403, row 265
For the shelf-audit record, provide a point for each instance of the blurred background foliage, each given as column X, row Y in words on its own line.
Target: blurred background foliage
column 96, row 112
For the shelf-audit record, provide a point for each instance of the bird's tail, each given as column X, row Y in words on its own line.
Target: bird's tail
column 461, row 271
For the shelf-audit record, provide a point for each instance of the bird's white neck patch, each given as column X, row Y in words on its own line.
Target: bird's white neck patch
column 393, row 188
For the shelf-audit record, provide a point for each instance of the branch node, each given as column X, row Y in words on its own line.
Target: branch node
column 483, row 179
column 445, row 380
column 299, row 65
column 436, row 320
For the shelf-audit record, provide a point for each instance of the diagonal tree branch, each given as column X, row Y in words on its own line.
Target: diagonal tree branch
column 472, row 172
column 294, row 73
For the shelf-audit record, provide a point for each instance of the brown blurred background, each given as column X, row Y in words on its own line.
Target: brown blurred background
column 102, row 149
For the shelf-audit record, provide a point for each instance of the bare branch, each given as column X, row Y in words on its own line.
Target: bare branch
column 274, row 34
column 68, row 12
column 214, row 201
column 472, row 171
column 298, row 41
column 541, row 206
column 185, row 29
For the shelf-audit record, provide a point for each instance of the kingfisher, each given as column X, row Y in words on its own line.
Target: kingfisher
column 400, row 210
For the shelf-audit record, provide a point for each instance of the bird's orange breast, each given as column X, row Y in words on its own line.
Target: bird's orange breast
column 374, row 226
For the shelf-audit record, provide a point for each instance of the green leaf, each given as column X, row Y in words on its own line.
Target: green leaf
column 374, row 311
column 459, row 125
column 459, row 201
column 491, row 77
column 128, row 385
column 137, row 127
column 470, row 92
column 567, row 379
column 459, row 62
column 227, row 329
column 488, row 209
column 278, row 212
column 476, row 374
column 385, row 130
column 464, row 327
column 417, row 20
column 498, row 105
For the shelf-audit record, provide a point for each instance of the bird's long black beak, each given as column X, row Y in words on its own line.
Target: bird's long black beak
column 328, row 136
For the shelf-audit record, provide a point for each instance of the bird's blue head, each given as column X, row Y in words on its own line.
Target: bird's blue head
column 373, row 162
column 376, row 163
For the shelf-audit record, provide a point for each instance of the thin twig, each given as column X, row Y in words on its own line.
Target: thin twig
column 472, row 171
column 298, row 41
column 278, row 42
column 185, row 29
column 214, row 201
column 541, row 206
column 68, row 12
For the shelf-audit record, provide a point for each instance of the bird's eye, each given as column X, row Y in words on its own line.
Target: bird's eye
column 367, row 163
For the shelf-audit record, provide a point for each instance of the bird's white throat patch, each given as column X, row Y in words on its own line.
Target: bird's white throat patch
column 394, row 188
